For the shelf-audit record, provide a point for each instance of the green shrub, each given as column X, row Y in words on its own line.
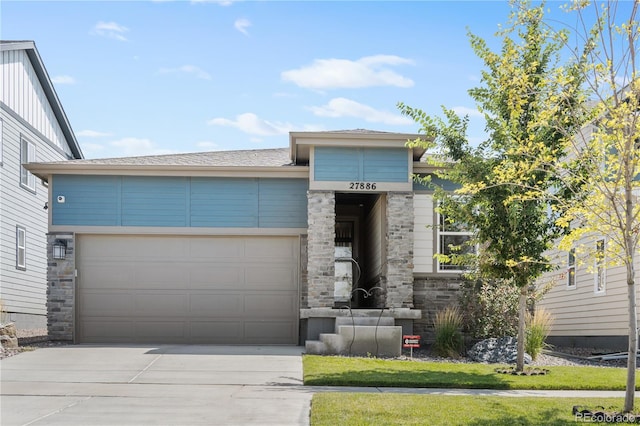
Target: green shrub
column 448, row 324
column 538, row 328
column 490, row 308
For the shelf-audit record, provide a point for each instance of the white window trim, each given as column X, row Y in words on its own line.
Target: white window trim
column 21, row 249
column 439, row 246
column 600, row 268
column 571, row 269
column 27, row 179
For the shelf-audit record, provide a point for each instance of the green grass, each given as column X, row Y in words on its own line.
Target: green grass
column 394, row 409
column 346, row 371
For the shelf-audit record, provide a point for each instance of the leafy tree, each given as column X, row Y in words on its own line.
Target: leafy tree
column 527, row 100
column 603, row 162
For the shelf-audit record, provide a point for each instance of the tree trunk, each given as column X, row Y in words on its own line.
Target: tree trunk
column 633, row 339
column 522, row 312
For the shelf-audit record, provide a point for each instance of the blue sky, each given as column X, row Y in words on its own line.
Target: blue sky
column 159, row 77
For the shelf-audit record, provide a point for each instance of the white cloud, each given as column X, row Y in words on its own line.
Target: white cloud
column 241, row 25
column 187, row 69
column 207, row 145
column 471, row 112
column 253, row 125
column 343, row 73
column 131, row 147
column 92, row 134
column 342, row 107
column 92, row 150
column 63, row 79
column 110, row 30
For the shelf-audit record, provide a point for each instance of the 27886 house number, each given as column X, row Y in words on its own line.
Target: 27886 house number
column 362, row 185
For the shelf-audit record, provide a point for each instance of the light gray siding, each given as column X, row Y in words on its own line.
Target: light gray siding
column 579, row 310
column 22, row 93
column 22, row 291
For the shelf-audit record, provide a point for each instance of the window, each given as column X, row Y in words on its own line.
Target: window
column 571, row 269
column 21, row 248
column 600, row 268
column 453, row 239
column 27, row 155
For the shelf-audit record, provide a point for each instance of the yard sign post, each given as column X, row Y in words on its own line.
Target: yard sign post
column 410, row 341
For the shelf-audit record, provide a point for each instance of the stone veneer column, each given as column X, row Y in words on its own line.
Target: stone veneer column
column 399, row 236
column 61, row 289
column 321, row 248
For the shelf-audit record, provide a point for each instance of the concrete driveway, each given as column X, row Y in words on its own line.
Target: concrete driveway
column 160, row 385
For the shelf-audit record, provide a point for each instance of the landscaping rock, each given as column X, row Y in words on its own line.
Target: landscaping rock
column 8, row 336
column 503, row 350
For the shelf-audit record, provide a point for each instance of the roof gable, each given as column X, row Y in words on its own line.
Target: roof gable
column 45, row 83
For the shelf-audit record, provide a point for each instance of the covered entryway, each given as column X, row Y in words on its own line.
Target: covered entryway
column 187, row 289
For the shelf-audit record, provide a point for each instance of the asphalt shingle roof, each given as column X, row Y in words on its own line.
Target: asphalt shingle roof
column 278, row 157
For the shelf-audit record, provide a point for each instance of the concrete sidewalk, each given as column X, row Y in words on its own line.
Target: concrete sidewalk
column 178, row 385
column 138, row 385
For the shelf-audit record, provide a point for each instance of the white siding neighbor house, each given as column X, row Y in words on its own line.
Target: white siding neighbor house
column 33, row 127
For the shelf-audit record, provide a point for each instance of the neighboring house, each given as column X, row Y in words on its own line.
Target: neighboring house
column 587, row 298
column 247, row 247
column 33, row 127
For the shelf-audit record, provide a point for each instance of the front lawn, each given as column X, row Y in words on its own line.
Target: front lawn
column 370, row 372
column 394, row 409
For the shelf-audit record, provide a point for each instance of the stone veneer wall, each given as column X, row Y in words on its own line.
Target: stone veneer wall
column 304, row 275
column 399, row 262
column 321, row 210
column 61, row 289
column 431, row 295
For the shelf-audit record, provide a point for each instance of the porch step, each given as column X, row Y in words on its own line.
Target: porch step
column 358, row 321
column 362, row 340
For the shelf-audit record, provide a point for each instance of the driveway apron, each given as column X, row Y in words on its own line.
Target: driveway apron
column 161, row 385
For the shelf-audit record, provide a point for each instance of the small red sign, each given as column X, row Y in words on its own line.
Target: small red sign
column 409, row 341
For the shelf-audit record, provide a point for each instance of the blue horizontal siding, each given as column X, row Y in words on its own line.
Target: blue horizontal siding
column 154, row 201
column 337, row 164
column 385, row 165
column 89, row 200
column 283, row 203
column 344, row 164
column 223, row 202
column 180, row 202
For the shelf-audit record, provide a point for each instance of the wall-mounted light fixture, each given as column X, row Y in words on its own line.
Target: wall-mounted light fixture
column 59, row 249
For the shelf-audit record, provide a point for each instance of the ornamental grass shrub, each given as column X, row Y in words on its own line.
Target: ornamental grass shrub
column 538, row 327
column 449, row 340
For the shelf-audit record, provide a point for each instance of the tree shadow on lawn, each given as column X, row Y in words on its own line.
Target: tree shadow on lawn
column 411, row 379
column 550, row 417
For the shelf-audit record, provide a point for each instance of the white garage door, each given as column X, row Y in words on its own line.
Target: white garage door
column 187, row 289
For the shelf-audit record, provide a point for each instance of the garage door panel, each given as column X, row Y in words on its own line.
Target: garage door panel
column 217, row 305
column 267, row 304
column 239, row 290
column 272, row 248
column 270, row 277
column 221, row 277
column 110, row 304
column 107, row 330
column 171, row 331
column 162, row 276
column 164, row 304
column 217, row 331
column 229, row 248
column 106, row 276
